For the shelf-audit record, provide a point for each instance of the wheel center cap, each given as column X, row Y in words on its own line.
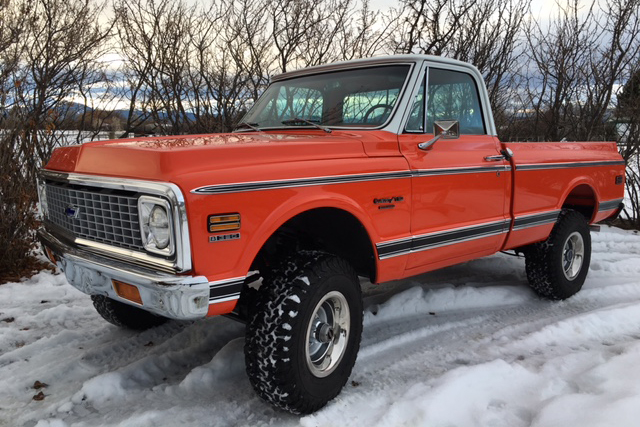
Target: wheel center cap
column 569, row 254
column 324, row 333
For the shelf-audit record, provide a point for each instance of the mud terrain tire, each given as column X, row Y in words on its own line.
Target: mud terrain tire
column 556, row 268
column 303, row 336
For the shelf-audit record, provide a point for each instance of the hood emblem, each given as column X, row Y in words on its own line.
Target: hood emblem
column 72, row 211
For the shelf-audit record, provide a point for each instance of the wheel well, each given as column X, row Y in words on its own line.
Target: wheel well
column 327, row 229
column 582, row 199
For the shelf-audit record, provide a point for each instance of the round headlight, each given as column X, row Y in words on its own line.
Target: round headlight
column 159, row 226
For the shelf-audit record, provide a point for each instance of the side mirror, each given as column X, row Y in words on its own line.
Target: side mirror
column 445, row 129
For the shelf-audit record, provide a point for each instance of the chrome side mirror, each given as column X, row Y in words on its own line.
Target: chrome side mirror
column 445, row 129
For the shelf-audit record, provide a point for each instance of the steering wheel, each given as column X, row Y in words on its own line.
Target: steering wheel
column 386, row 107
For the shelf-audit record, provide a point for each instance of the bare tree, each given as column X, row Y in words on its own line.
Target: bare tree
column 15, row 202
column 611, row 61
column 576, row 64
column 488, row 34
column 153, row 39
column 59, row 63
column 252, row 50
column 187, row 69
column 320, row 45
column 12, row 21
column 45, row 62
column 627, row 120
column 291, row 24
column 365, row 34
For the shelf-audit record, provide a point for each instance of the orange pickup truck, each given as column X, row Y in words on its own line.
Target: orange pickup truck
column 382, row 168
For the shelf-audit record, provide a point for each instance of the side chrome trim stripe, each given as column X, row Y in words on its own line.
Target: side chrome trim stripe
column 441, row 238
column 534, row 220
column 460, row 171
column 344, row 179
column 542, row 166
column 609, row 205
column 340, row 179
column 225, row 290
column 304, row 182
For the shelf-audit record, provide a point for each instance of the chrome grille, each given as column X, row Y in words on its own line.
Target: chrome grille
column 101, row 215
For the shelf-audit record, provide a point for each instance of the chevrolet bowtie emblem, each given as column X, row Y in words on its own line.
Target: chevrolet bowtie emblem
column 72, row 211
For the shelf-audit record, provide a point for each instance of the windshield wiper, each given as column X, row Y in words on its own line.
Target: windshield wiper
column 293, row 121
column 251, row 126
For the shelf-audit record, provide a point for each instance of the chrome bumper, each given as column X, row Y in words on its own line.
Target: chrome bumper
column 173, row 296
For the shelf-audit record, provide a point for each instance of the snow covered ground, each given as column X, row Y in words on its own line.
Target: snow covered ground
column 469, row 345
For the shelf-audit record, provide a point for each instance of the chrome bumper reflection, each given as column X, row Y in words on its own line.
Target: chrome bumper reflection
column 177, row 297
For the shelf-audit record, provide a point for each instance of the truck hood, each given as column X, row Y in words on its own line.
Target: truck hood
column 166, row 158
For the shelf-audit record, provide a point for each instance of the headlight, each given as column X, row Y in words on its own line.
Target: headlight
column 159, row 226
column 156, row 225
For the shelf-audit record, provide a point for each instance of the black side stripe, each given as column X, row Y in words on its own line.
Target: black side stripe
column 541, row 166
column 289, row 183
column 397, row 247
column 609, row 204
column 535, row 220
column 443, row 238
column 455, row 236
column 225, row 290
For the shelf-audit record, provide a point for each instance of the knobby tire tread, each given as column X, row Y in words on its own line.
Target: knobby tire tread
column 268, row 358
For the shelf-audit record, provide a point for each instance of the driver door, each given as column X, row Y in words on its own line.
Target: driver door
column 459, row 186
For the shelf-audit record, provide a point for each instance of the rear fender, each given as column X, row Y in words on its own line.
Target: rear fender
column 576, row 182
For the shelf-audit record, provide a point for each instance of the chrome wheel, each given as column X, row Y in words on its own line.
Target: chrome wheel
column 573, row 255
column 327, row 334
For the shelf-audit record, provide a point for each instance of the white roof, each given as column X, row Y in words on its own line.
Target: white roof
column 390, row 59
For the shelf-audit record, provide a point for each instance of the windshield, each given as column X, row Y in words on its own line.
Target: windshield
column 362, row 97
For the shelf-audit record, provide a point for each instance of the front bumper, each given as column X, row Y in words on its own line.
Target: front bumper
column 168, row 295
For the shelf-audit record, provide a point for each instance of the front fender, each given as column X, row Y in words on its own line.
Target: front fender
column 296, row 206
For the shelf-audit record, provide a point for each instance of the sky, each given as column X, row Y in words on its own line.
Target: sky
column 543, row 10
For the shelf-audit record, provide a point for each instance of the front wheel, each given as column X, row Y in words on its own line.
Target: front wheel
column 124, row 315
column 557, row 267
column 304, row 333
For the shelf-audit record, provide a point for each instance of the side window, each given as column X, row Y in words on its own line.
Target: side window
column 416, row 116
column 454, row 96
column 293, row 102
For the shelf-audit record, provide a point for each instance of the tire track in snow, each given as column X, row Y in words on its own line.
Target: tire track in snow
column 406, row 353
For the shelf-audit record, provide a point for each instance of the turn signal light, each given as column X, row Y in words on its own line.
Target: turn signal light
column 225, row 222
column 127, row 291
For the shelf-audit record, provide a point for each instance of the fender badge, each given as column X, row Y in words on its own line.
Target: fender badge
column 387, row 200
column 224, row 237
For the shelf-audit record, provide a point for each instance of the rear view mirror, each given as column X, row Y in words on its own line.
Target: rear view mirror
column 445, row 129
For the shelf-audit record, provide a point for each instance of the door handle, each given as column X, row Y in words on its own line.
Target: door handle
column 494, row 158
column 505, row 154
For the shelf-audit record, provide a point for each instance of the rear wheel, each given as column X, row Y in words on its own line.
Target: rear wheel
column 125, row 315
column 304, row 333
column 557, row 267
